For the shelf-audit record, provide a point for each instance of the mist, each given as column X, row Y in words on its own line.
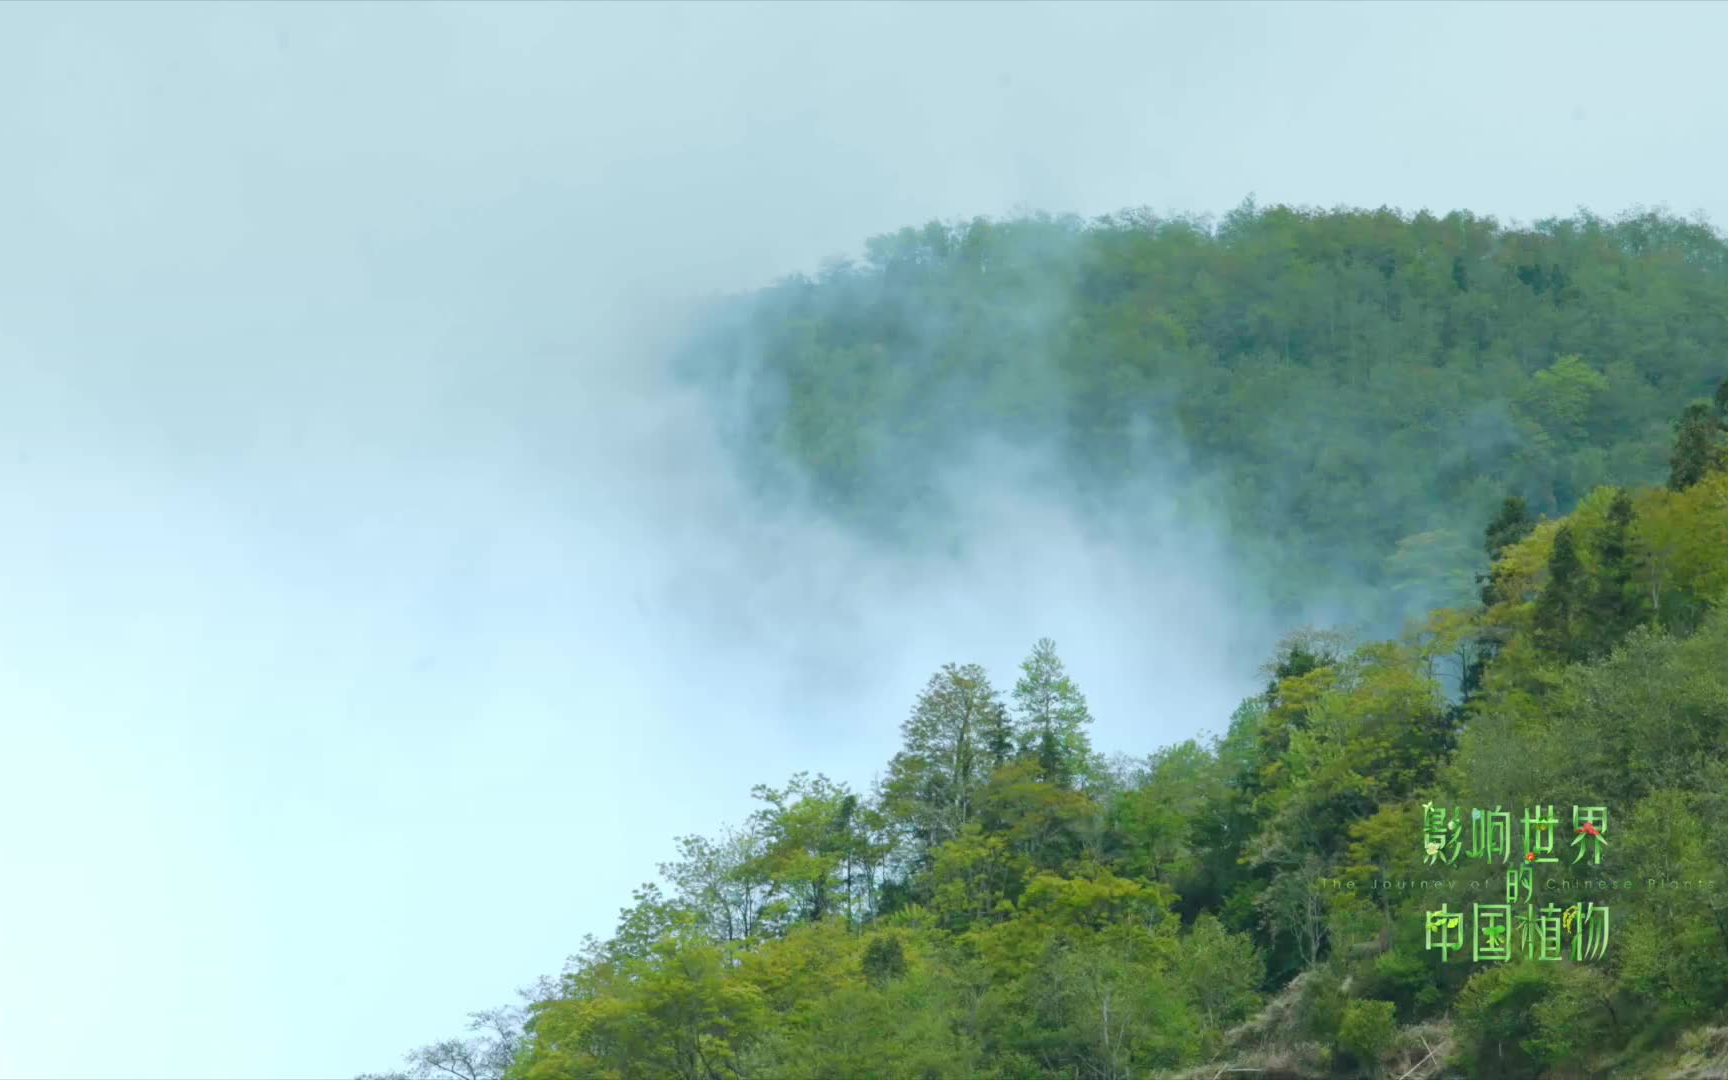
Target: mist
column 375, row 603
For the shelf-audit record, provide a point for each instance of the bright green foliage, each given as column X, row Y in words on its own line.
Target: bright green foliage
column 1007, row 904
column 1107, row 1006
column 1042, row 821
column 1678, row 543
column 816, row 850
column 647, row 922
column 724, row 882
column 1652, row 717
column 1005, row 923
column 1405, row 977
column 905, row 1030
column 1563, row 399
column 1678, row 949
column 1368, row 728
column 1157, row 826
column 1366, row 1030
column 677, row 1011
column 1223, row 972
column 1094, row 899
column 973, row 878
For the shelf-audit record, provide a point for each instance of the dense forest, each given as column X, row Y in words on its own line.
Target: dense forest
column 1509, row 447
column 1347, row 396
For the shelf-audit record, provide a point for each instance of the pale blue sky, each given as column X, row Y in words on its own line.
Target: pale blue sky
column 373, row 612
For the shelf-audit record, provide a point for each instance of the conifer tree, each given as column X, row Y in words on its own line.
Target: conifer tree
column 1511, row 524
column 1051, row 715
column 1562, row 598
column 1614, row 606
column 1698, row 448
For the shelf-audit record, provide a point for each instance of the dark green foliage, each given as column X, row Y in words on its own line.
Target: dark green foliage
column 1560, row 607
column 1320, row 1005
column 1405, row 978
column 1052, row 763
column 1616, row 605
column 1698, row 447
column 884, row 960
column 1297, row 658
column 1353, row 388
column 1510, row 525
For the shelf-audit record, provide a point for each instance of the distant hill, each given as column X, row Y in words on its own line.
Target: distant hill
column 1350, row 392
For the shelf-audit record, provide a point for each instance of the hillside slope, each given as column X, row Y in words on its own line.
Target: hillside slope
column 1010, row 903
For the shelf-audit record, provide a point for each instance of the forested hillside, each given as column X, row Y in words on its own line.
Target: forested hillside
column 1528, row 430
column 1349, row 393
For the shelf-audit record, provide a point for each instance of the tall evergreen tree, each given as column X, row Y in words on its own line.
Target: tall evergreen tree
column 1615, row 606
column 1698, row 447
column 1562, row 599
column 1511, row 524
column 1051, row 714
